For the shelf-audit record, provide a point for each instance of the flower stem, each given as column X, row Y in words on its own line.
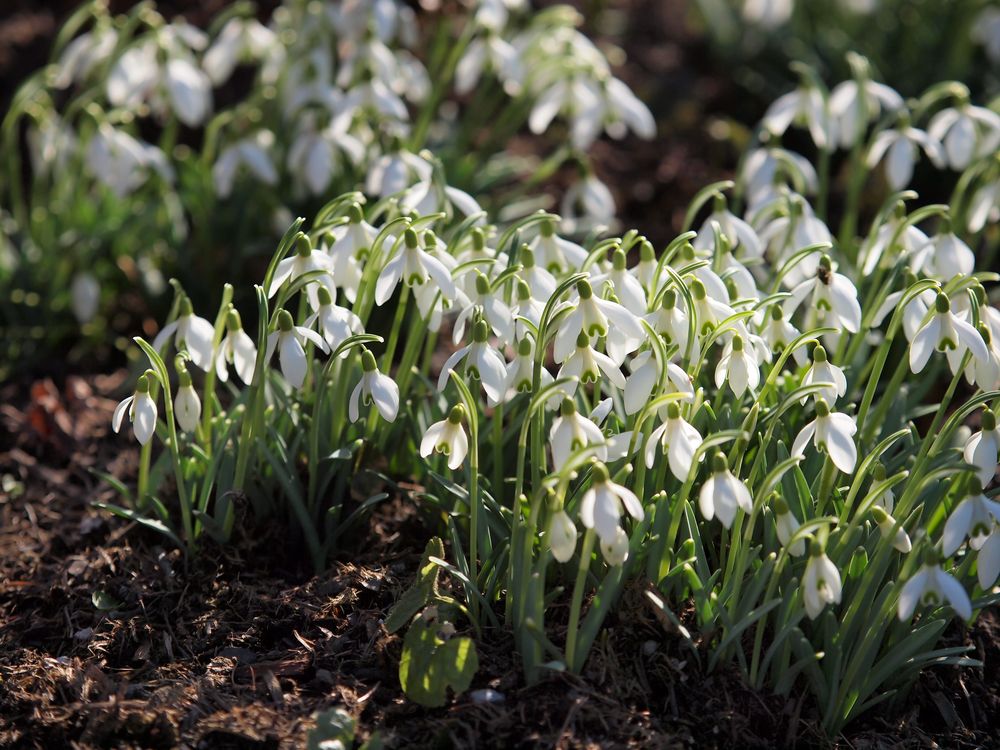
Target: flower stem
column 577, row 601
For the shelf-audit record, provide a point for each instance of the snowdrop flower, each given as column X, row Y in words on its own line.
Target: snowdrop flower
column 944, row 257
column 887, row 528
column 787, row 525
column 982, row 449
column 488, row 302
column 722, row 494
column 598, row 318
column 708, row 310
column 988, row 561
column 778, row 333
column 187, row 405
column 447, row 437
column 413, row 266
column 526, row 310
column 768, row 14
column 985, row 372
column 967, row 132
column 586, row 364
column 52, row 144
column 288, row 340
column 482, row 363
column 395, row 171
column 795, row 228
column 541, row 283
column 489, row 52
column 571, row 432
column 737, row 367
column 236, row 348
column 586, row 204
column 249, row 153
column 240, row 40
column 647, row 270
column 336, row 324
column 805, row 105
column 899, row 147
column 317, row 153
column 974, row 518
column 932, row 587
column 190, row 332
column 671, row 321
column 822, row 371
column 305, row 260
column 601, row 506
column 351, row 245
column 555, row 253
column 853, row 104
column 833, row 298
column 520, row 372
column 374, row 387
column 886, row 500
column 82, row 55
column 123, row 163
column 889, row 238
column 832, row 433
column 85, row 296
column 645, row 377
column 429, row 197
column 986, row 31
column 615, row 552
column 984, row 206
column 738, row 233
column 562, row 536
column 494, row 14
column 139, row 75
column 625, row 286
column 141, row 410
column 945, row 332
column 678, row 439
column 763, row 168
column 820, row 583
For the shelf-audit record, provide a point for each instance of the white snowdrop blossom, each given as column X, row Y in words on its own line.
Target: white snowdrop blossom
column 447, row 437
column 899, row 149
column 374, row 388
column 482, row 363
column 986, row 31
column 768, row 14
column 820, row 583
column 489, row 302
column 587, row 204
column 395, row 171
column 571, row 432
column 334, row 323
column 553, row 253
column 778, row 333
column 598, row 317
column 520, row 372
column 190, row 332
column 250, row 154
column 887, row 526
column 318, row 153
column 944, row 257
column 723, row 494
column 982, row 449
column 123, row 163
column 678, row 439
column 85, row 296
column 973, row 518
column 831, row 432
column 833, row 298
column 187, row 404
column 414, row 266
column 84, row 54
column 823, row 371
column 304, row 261
column 351, row 244
column 141, row 410
column 588, row 365
column 241, row 40
column 967, row 132
column 238, row 349
column 626, row 286
column 738, row 368
column 562, row 536
column 615, row 552
column 988, row 561
column 489, row 52
column 805, row 105
column 787, row 525
column 645, row 377
column 945, row 332
column 932, row 587
column 601, row 505
column 853, row 104
column 288, row 340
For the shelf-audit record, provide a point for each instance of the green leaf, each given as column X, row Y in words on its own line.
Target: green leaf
column 430, row 664
column 104, row 601
column 332, row 726
column 422, row 592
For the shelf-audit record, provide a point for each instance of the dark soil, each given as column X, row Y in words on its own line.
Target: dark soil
column 108, row 640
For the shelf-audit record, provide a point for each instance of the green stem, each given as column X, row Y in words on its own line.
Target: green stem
column 577, row 601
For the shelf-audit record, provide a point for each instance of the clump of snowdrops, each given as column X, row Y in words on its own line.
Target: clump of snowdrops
column 790, row 424
column 181, row 167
